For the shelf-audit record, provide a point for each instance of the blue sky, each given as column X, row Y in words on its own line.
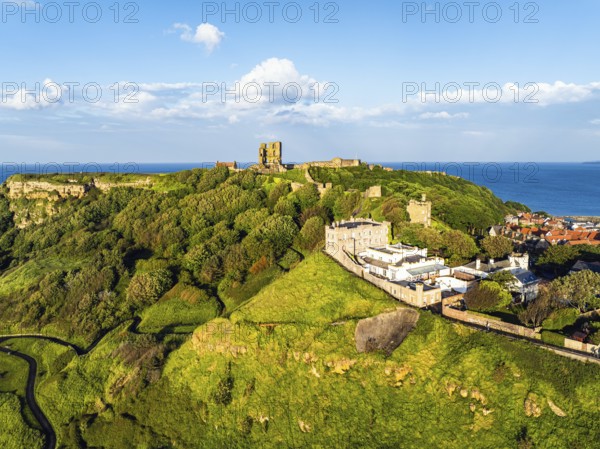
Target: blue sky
column 370, row 68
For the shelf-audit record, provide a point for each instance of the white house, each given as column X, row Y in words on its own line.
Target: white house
column 403, row 263
column 525, row 285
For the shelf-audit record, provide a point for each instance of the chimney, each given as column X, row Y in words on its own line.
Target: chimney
column 478, row 264
column 424, row 197
column 419, row 287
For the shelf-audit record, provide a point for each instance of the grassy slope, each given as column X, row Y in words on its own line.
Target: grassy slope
column 234, row 297
column 298, row 384
column 24, row 276
column 180, row 311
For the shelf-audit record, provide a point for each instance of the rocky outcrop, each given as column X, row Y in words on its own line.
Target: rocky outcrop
column 106, row 186
column 33, row 190
column 385, row 332
column 556, row 409
column 45, row 190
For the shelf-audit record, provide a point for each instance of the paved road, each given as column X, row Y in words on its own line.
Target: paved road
column 30, row 398
column 30, row 388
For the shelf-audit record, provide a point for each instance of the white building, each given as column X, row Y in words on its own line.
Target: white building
column 525, row 286
column 403, row 263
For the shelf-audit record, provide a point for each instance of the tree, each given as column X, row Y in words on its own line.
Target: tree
column 537, row 310
column 285, row 206
column 315, row 211
column 517, row 207
column 212, row 178
column 497, row 246
column 394, row 211
column 195, row 259
column 430, row 238
column 146, row 288
column 6, row 216
column 280, row 190
column 308, row 196
column 459, row 246
column 252, row 218
column 581, row 290
column 346, row 204
column 280, row 231
column 312, row 233
column 505, row 278
column 488, row 296
column 559, row 258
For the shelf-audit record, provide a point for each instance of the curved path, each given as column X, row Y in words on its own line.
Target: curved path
column 30, row 398
column 31, row 378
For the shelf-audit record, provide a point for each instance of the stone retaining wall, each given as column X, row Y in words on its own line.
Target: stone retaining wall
column 467, row 317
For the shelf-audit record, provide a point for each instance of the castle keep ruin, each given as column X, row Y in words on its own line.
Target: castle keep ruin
column 270, row 160
column 270, row 156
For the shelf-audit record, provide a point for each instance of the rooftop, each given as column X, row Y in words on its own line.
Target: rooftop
column 355, row 224
column 426, row 269
column 525, row 276
column 413, row 285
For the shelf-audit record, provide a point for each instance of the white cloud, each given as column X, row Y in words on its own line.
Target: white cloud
column 595, row 122
column 476, row 133
column 442, row 115
column 561, row 92
column 205, row 34
column 21, row 97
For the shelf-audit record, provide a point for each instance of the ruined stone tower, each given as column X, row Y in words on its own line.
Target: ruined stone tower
column 270, row 155
column 420, row 211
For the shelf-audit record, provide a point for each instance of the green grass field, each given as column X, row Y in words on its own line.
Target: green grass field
column 283, row 371
column 240, row 383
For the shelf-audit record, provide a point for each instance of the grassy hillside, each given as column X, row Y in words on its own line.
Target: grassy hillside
column 246, row 382
column 246, row 338
column 455, row 201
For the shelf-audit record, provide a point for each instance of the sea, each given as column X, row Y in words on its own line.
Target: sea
column 561, row 189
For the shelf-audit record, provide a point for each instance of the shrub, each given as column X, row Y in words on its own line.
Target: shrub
column 147, row 288
column 559, row 319
column 552, row 338
column 487, row 296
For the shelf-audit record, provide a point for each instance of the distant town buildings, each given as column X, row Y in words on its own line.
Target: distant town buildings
column 538, row 233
